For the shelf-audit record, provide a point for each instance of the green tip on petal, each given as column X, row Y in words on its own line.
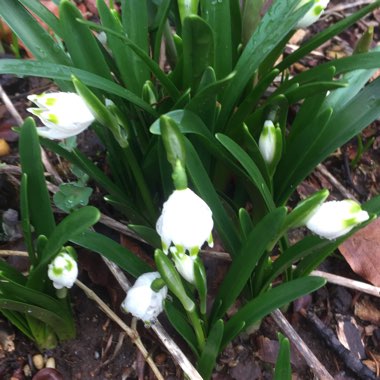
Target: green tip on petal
column 57, row 271
column 53, row 118
column 194, row 251
column 318, row 9
column 210, row 241
column 50, row 101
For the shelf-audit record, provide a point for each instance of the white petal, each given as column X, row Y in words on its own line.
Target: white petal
column 313, row 14
column 186, row 220
column 63, row 271
column 334, row 219
column 143, row 302
column 267, row 141
column 185, row 266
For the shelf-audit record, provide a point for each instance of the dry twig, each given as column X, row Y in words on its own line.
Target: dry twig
column 315, row 365
column 133, row 335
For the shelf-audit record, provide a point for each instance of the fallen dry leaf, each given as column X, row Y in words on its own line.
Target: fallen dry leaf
column 367, row 311
column 349, row 334
column 362, row 252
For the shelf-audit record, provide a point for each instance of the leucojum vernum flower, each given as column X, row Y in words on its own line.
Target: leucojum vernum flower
column 64, row 114
column 313, row 14
column 142, row 301
column 63, row 271
column 336, row 218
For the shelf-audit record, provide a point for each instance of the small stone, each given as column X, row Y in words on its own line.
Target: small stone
column 38, row 361
column 27, row 370
column 4, row 148
column 50, row 363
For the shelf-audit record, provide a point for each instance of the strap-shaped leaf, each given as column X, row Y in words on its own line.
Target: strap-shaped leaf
column 264, row 304
column 211, row 350
column 283, row 370
column 248, row 164
column 277, row 22
column 206, row 190
column 113, row 251
column 72, row 225
column 80, row 42
column 44, row 14
column 41, row 214
column 60, row 72
column 198, row 50
column 55, row 321
column 34, row 36
column 245, row 262
column 325, row 35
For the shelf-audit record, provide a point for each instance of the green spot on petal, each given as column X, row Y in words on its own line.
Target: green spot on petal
column 50, row 101
column 53, row 118
column 318, row 9
column 57, row 271
column 69, row 265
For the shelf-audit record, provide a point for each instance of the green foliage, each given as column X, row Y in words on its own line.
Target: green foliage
column 189, row 84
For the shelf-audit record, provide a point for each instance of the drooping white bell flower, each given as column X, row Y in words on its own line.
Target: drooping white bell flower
column 313, row 14
column 184, row 264
column 336, row 218
column 142, row 301
column 186, row 221
column 63, row 271
column 64, row 114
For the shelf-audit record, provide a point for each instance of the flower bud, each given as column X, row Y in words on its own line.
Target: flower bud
column 186, row 221
column 64, row 114
column 142, row 301
column 63, row 271
column 184, row 264
column 270, row 144
column 313, row 14
column 336, row 218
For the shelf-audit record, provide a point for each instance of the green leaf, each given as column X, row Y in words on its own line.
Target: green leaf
column 325, row 35
column 181, row 325
column 278, row 21
column 354, row 116
column 34, row 36
column 206, row 191
column 80, row 42
column 283, row 370
column 150, row 63
column 218, row 16
column 19, row 321
column 203, row 102
column 41, row 214
column 55, row 321
column 211, row 350
column 113, row 251
column 73, row 224
column 148, row 234
column 44, row 14
column 253, row 172
column 245, row 262
column 135, row 22
column 160, row 22
column 71, row 196
column 198, row 50
column 265, row 303
column 61, row 72
column 25, row 219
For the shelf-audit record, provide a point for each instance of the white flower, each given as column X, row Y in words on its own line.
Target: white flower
column 142, row 301
column 184, row 264
column 268, row 143
column 313, row 14
column 336, row 218
column 64, row 114
column 186, row 221
column 63, row 271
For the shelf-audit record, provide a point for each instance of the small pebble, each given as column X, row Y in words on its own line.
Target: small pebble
column 50, row 363
column 48, row 374
column 4, row 148
column 27, row 370
column 38, row 361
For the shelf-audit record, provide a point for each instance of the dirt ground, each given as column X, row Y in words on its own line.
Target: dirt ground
column 101, row 351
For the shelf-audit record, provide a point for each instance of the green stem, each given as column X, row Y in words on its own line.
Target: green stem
column 195, row 321
column 141, row 184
